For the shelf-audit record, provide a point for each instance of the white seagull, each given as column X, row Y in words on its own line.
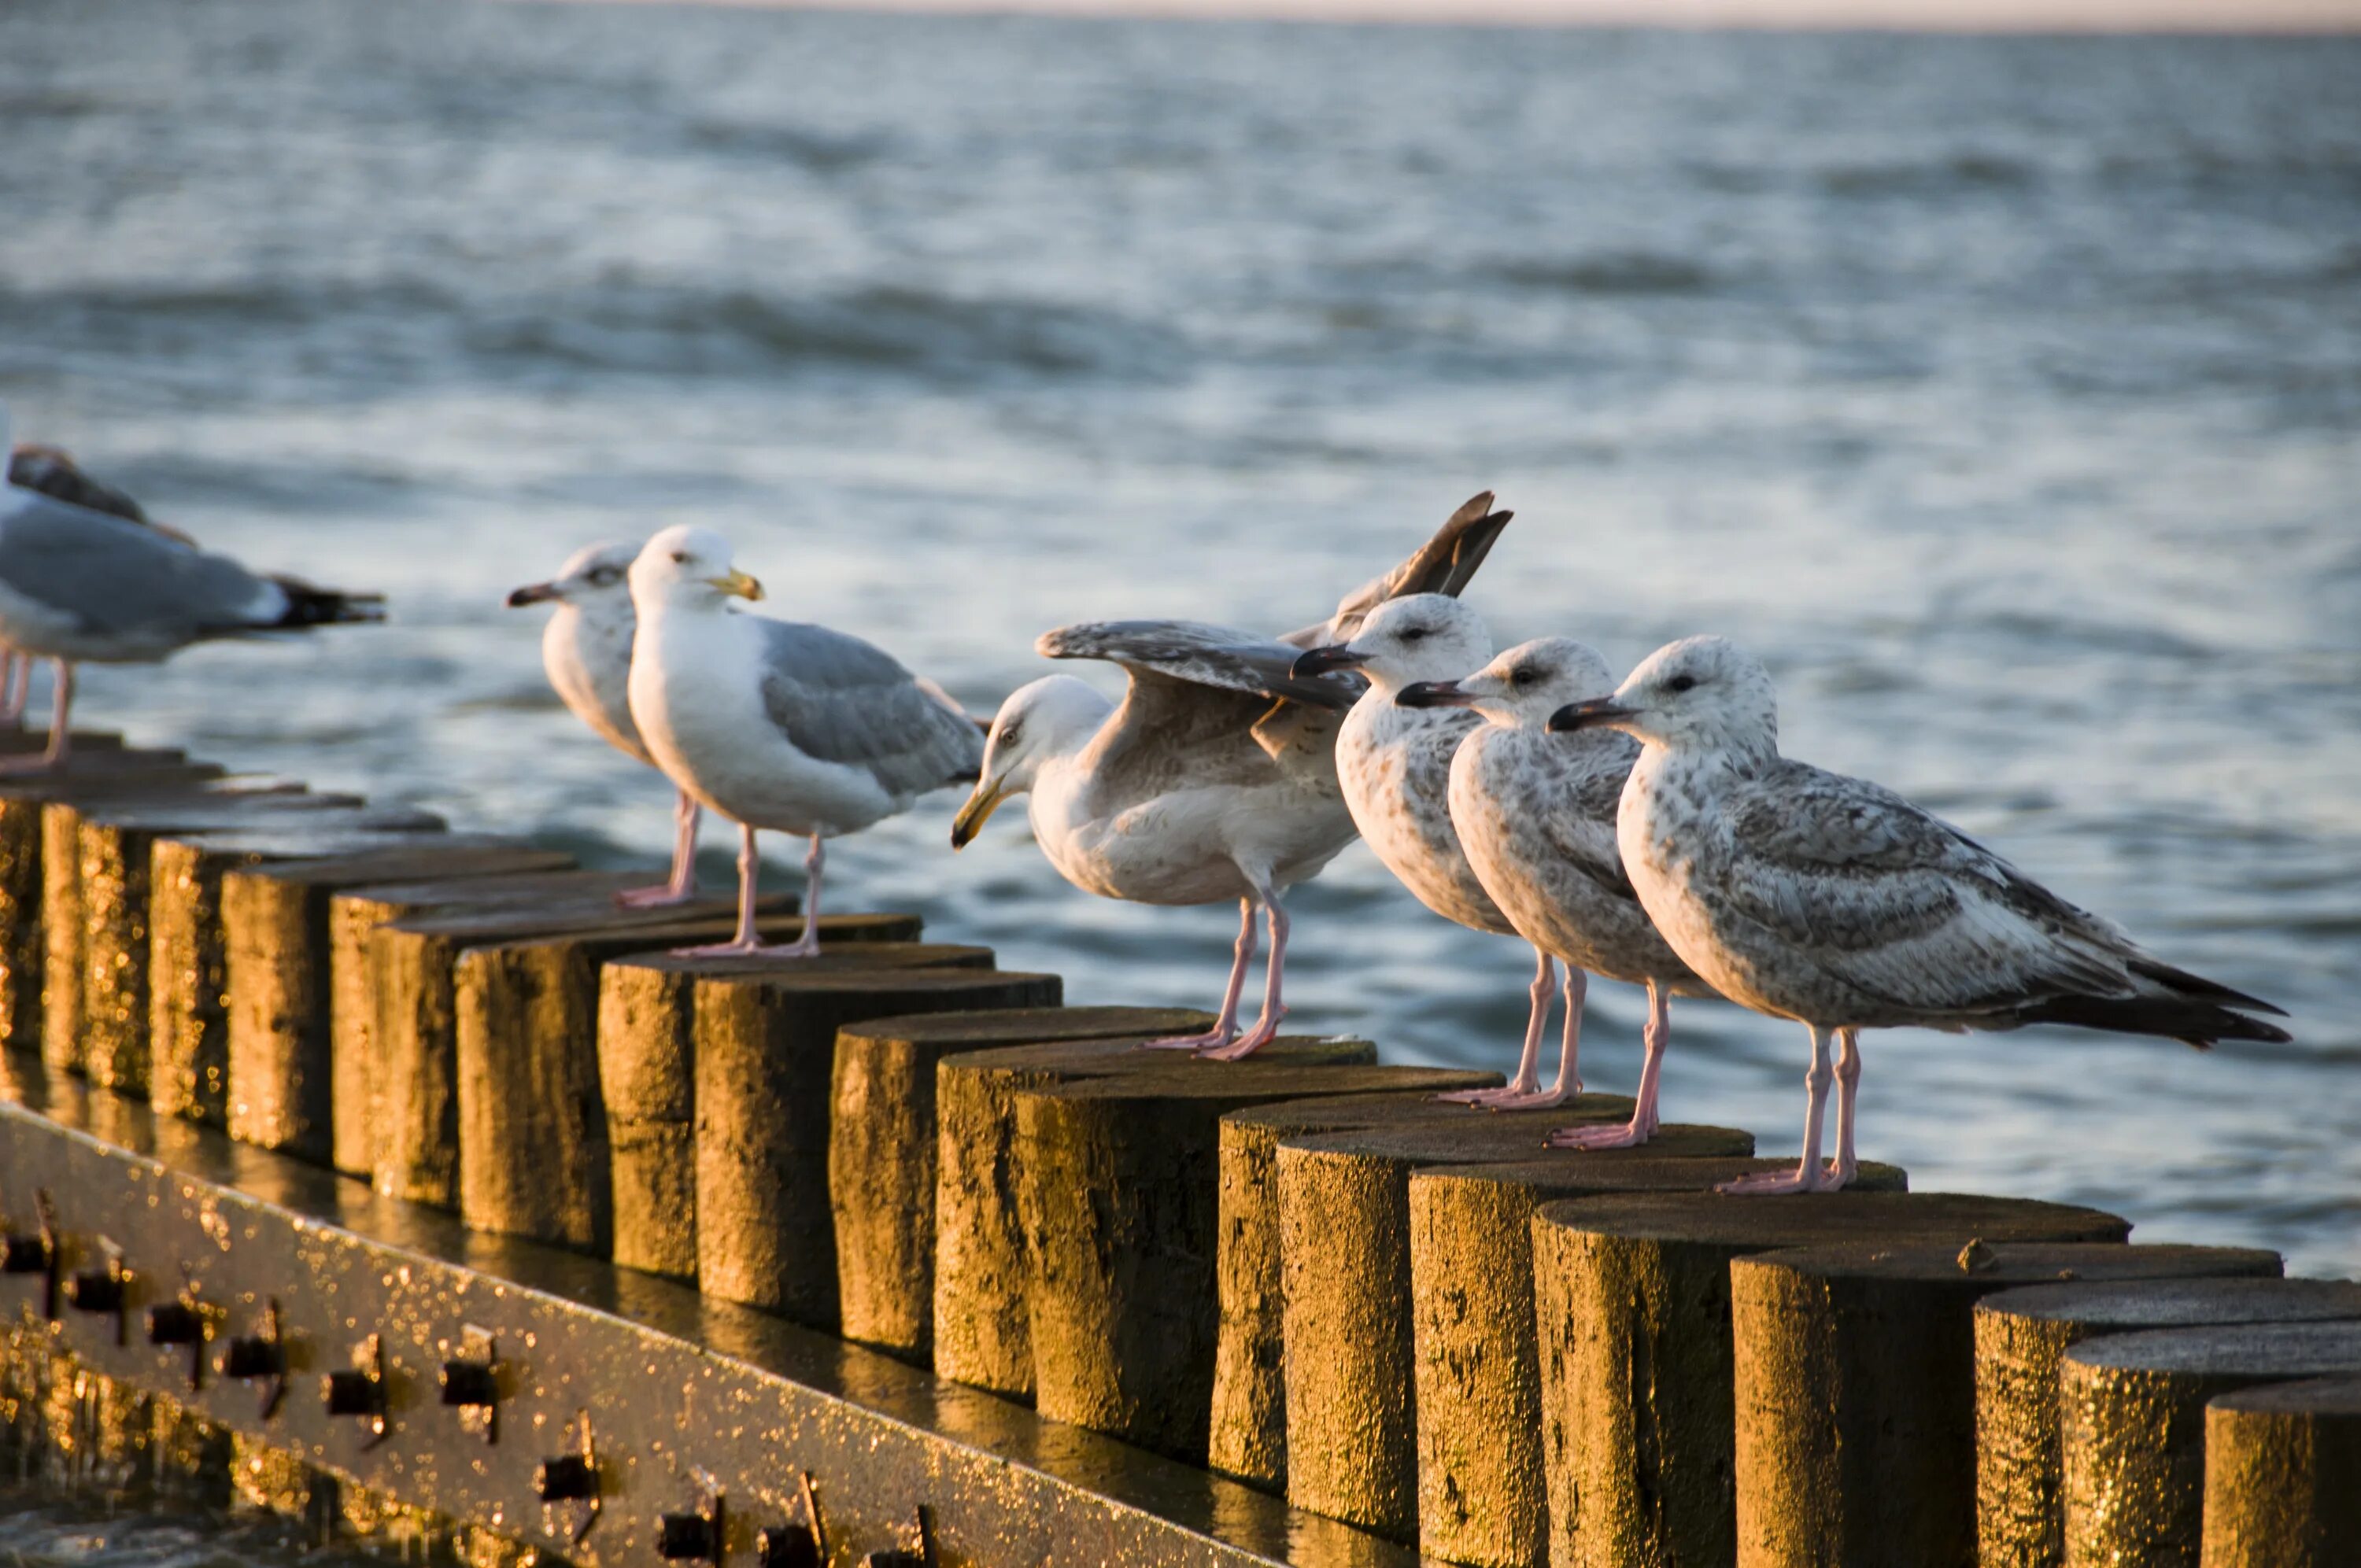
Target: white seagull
column 1394, row 761
column 79, row 585
column 1217, row 776
column 53, row 472
column 1536, row 813
column 1833, row 901
column 586, row 651
column 777, row 724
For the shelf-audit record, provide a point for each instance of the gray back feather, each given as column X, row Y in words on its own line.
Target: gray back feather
column 842, row 700
column 116, row 576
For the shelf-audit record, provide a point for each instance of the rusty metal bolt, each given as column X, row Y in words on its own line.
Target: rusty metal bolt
column 469, row 1385
column 786, row 1546
column 249, row 1356
column 175, row 1322
column 352, row 1392
column 688, row 1538
column 23, row 1253
column 568, row 1478
column 95, row 1291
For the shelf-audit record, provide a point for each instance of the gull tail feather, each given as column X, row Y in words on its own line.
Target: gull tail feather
column 308, row 605
column 2197, row 1023
column 2182, row 983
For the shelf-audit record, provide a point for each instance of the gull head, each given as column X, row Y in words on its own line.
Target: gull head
column 1418, row 637
column 592, row 581
column 1524, row 685
column 689, row 568
column 1699, row 694
column 1053, row 717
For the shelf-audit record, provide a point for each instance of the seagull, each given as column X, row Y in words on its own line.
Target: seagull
column 777, row 724
column 53, row 471
column 1395, row 762
column 1834, row 902
column 1215, row 778
column 80, row 585
column 1536, row 813
column 586, row 651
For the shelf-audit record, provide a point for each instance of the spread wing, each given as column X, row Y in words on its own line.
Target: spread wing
column 111, row 576
column 1202, row 705
column 842, row 700
column 1442, row 566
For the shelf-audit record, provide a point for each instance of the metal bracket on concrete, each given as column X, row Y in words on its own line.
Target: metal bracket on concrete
column 695, row 1397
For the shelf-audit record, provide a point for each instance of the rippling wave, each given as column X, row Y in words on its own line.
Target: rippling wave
column 2001, row 391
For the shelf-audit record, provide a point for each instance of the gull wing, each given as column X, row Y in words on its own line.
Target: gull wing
column 1204, row 706
column 842, row 700
column 1443, row 564
column 1909, row 910
column 114, row 577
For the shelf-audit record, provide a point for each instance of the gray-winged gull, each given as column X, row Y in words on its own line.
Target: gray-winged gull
column 1833, row 901
column 777, row 724
column 1215, row 778
column 80, row 585
column 53, row 471
column 586, row 651
column 1395, row 764
column 1536, row 813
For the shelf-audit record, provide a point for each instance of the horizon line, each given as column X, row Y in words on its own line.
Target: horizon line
column 2061, row 18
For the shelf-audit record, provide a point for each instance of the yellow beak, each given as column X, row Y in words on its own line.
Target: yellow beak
column 738, row 584
column 982, row 802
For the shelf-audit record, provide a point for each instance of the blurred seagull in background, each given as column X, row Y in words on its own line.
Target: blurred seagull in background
column 1215, row 777
column 1536, row 813
column 53, row 472
column 1394, row 761
column 586, row 651
column 777, row 724
column 82, row 583
column 1834, row 902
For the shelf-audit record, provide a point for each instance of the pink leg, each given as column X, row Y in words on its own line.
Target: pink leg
column 15, row 684
column 746, row 944
column 1643, row 1124
column 681, row 887
column 1524, row 1089
column 1840, row 1171
column 1265, row 1027
column 1225, row 1027
column 1810, row 1175
column 60, row 744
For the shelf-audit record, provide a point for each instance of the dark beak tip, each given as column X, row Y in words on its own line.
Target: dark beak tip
column 1313, row 663
column 532, row 593
column 1426, row 693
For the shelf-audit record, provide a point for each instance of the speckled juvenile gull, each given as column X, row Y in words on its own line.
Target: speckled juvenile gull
column 1215, row 778
column 777, row 724
column 1536, row 813
column 1395, row 764
column 1833, row 901
column 586, row 651
column 80, row 585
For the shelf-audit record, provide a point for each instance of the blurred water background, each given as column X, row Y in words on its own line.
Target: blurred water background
column 2003, row 393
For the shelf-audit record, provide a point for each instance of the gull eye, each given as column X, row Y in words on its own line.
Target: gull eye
column 680, row 557
column 1007, row 736
column 1522, row 677
column 606, row 577
column 1414, row 633
column 1680, row 683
